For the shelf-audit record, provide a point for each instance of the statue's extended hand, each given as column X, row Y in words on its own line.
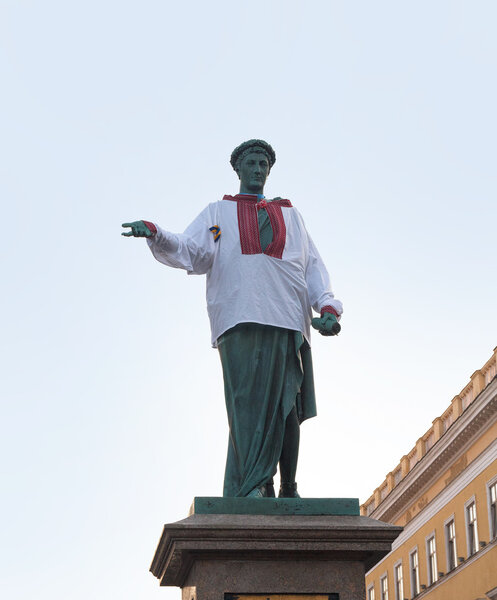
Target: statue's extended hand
column 138, row 229
column 327, row 324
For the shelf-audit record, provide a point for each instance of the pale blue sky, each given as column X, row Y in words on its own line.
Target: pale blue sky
column 382, row 115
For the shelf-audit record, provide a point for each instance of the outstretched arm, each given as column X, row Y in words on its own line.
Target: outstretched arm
column 192, row 250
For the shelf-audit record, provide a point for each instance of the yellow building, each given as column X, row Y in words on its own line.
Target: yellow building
column 444, row 494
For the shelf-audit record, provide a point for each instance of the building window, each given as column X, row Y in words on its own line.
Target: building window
column 431, row 555
column 450, row 540
column 492, row 492
column 371, row 593
column 399, row 582
column 414, row 568
column 472, row 528
column 384, row 588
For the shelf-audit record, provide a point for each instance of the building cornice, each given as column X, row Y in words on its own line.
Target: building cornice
column 487, row 457
column 473, row 422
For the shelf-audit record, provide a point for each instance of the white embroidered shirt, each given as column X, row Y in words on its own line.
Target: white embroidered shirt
column 276, row 287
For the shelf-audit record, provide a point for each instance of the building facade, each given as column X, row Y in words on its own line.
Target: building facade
column 444, row 494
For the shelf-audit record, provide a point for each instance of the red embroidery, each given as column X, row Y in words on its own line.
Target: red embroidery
column 277, row 246
column 329, row 309
column 248, row 227
column 151, row 226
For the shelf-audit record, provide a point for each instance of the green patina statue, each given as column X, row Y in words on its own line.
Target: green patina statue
column 264, row 277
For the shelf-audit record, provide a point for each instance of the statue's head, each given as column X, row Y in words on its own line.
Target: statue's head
column 252, row 162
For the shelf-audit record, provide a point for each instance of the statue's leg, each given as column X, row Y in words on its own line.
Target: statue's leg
column 290, row 451
column 270, row 488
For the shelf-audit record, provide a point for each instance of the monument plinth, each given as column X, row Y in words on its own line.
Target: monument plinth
column 231, row 547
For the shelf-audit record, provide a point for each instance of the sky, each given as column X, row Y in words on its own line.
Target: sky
column 382, row 116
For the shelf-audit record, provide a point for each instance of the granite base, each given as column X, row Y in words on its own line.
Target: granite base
column 219, row 556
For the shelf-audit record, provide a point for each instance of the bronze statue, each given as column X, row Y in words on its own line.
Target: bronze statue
column 264, row 277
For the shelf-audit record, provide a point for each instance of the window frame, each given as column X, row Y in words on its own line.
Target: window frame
column 492, row 522
column 414, row 579
column 396, row 581
column 467, row 505
column 450, row 521
column 369, row 590
column 384, row 578
column 431, row 566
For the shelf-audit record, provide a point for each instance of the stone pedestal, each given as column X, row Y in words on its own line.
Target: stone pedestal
column 231, row 547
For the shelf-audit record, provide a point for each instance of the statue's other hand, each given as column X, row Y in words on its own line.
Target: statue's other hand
column 327, row 324
column 138, row 229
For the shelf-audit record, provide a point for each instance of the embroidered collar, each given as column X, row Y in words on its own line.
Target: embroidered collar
column 259, row 196
column 254, row 198
column 245, row 197
column 247, row 207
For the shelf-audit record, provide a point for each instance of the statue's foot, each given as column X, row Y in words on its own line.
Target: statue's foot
column 270, row 489
column 258, row 492
column 288, row 490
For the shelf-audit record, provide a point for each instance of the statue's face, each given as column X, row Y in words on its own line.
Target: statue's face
column 253, row 173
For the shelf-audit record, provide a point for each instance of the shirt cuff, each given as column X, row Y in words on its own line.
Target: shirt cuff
column 329, row 309
column 151, row 226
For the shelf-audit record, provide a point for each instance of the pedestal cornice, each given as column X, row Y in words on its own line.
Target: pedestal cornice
column 237, row 537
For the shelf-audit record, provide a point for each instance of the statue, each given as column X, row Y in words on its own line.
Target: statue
column 263, row 276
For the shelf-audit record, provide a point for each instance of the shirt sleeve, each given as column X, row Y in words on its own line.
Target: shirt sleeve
column 192, row 250
column 319, row 289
